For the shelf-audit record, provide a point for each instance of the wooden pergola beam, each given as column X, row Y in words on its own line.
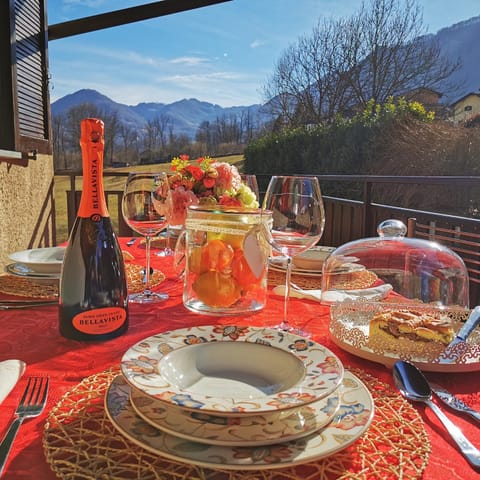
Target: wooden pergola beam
column 125, row 16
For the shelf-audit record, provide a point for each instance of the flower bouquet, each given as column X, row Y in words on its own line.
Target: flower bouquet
column 205, row 182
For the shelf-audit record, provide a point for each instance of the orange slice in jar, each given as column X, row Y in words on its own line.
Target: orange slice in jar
column 241, row 271
column 217, row 255
column 216, row 289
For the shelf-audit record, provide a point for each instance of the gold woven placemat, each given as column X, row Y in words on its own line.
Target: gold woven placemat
column 26, row 287
column 309, row 282
column 80, row 442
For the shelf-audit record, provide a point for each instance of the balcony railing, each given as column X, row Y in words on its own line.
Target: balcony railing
column 348, row 220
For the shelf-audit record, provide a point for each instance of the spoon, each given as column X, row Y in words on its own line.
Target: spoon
column 415, row 387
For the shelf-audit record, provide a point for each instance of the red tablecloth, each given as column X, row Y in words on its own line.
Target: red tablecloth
column 32, row 335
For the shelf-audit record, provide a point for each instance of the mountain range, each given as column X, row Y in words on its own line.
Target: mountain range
column 459, row 41
column 185, row 115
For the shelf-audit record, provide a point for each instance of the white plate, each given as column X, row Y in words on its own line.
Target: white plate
column 20, row 270
column 41, row 260
column 250, row 430
column 350, row 422
column 232, row 370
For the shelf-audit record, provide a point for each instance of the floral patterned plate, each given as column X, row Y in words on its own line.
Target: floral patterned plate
column 249, row 430
column 350, row 422
column 232, row 370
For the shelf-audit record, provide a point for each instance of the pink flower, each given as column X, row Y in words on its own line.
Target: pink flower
column 179, row 200
column 228, row 177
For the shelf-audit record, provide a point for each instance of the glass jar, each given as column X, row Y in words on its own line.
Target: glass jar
column 226, row 253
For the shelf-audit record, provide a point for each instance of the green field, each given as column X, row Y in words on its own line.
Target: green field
column 62, row 184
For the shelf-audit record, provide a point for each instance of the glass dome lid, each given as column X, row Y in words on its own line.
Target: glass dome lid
column 397, row 267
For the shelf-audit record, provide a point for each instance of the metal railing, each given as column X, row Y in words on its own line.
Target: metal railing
column 346, row 219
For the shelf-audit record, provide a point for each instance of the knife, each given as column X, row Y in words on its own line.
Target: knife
column 13, row 304
column 453, row 402
column 458, row 346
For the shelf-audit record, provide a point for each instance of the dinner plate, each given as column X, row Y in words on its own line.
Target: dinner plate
column 21, row 270
column 349, row 329
column 41, row 260
column 232, row 369
column 250, row 430
column 351, row 420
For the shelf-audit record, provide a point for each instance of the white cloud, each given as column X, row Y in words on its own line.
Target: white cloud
column 256, row 44
column 191, row 61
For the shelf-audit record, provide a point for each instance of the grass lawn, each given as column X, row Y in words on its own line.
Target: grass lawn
column 62, row 184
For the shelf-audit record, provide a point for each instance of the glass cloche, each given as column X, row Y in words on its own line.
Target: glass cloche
column 393, row 266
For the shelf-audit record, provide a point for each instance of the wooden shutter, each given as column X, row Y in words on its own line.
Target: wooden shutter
column 24, row 77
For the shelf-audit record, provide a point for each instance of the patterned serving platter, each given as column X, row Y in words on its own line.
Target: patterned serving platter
column 349, row 423
column 232, row 370
column 349, row 329
column 250, row 430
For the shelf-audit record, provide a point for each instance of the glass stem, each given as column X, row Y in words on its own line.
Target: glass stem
column 147, row 267
column 288, row 273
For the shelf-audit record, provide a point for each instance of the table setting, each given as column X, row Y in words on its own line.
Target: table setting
column 262, row 384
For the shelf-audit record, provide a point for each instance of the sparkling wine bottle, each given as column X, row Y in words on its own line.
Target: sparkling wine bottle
column 93, row 289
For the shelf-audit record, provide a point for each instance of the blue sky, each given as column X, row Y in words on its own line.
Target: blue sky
column 222, row 54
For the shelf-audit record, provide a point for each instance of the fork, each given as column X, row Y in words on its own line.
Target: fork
column 31, row 405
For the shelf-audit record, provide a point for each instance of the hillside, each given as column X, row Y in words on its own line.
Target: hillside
column 458, row 41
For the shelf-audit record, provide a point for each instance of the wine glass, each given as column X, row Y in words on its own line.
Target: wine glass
column 250, row 181
column 298, row 222
column 140, row 209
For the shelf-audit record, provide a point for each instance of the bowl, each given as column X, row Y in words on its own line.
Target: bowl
column 41, row 260
column 232, row 370
column 313, row 258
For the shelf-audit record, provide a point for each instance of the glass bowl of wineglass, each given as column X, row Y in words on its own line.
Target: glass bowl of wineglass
column 141, row 213
column 298, row 223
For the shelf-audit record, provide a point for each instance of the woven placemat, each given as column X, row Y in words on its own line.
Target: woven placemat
column 26, row 287
column 80, row 442
column 309, row 282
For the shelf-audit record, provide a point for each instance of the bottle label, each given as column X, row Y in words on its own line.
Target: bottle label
column 100, row 320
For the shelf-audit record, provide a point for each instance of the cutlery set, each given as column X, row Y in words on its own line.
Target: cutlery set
column 413, row 385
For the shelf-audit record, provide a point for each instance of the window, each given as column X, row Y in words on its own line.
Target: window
column 468, row 108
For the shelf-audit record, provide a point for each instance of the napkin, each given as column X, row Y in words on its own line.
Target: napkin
column 10, row 372
column 374, row 293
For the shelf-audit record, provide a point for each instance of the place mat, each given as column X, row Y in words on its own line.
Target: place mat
column 308, row 282
column 26, row 287
column 80, row 442
column 135, row 276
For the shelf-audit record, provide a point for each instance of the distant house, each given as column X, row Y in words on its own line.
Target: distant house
column 426, row 96
column 466, row 107
column 429, row 98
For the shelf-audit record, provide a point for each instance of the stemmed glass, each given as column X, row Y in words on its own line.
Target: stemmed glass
column 298, row 222
column 141, row 213
column 251, row 181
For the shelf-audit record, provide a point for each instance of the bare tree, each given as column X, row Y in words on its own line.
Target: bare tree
column 378, row 52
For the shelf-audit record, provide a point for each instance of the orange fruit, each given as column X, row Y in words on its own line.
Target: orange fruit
column 196, row 260
column 241, row 271
column 218, row 255
column 216, row 289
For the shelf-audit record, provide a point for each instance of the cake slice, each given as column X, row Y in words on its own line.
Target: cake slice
column 416, row 326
